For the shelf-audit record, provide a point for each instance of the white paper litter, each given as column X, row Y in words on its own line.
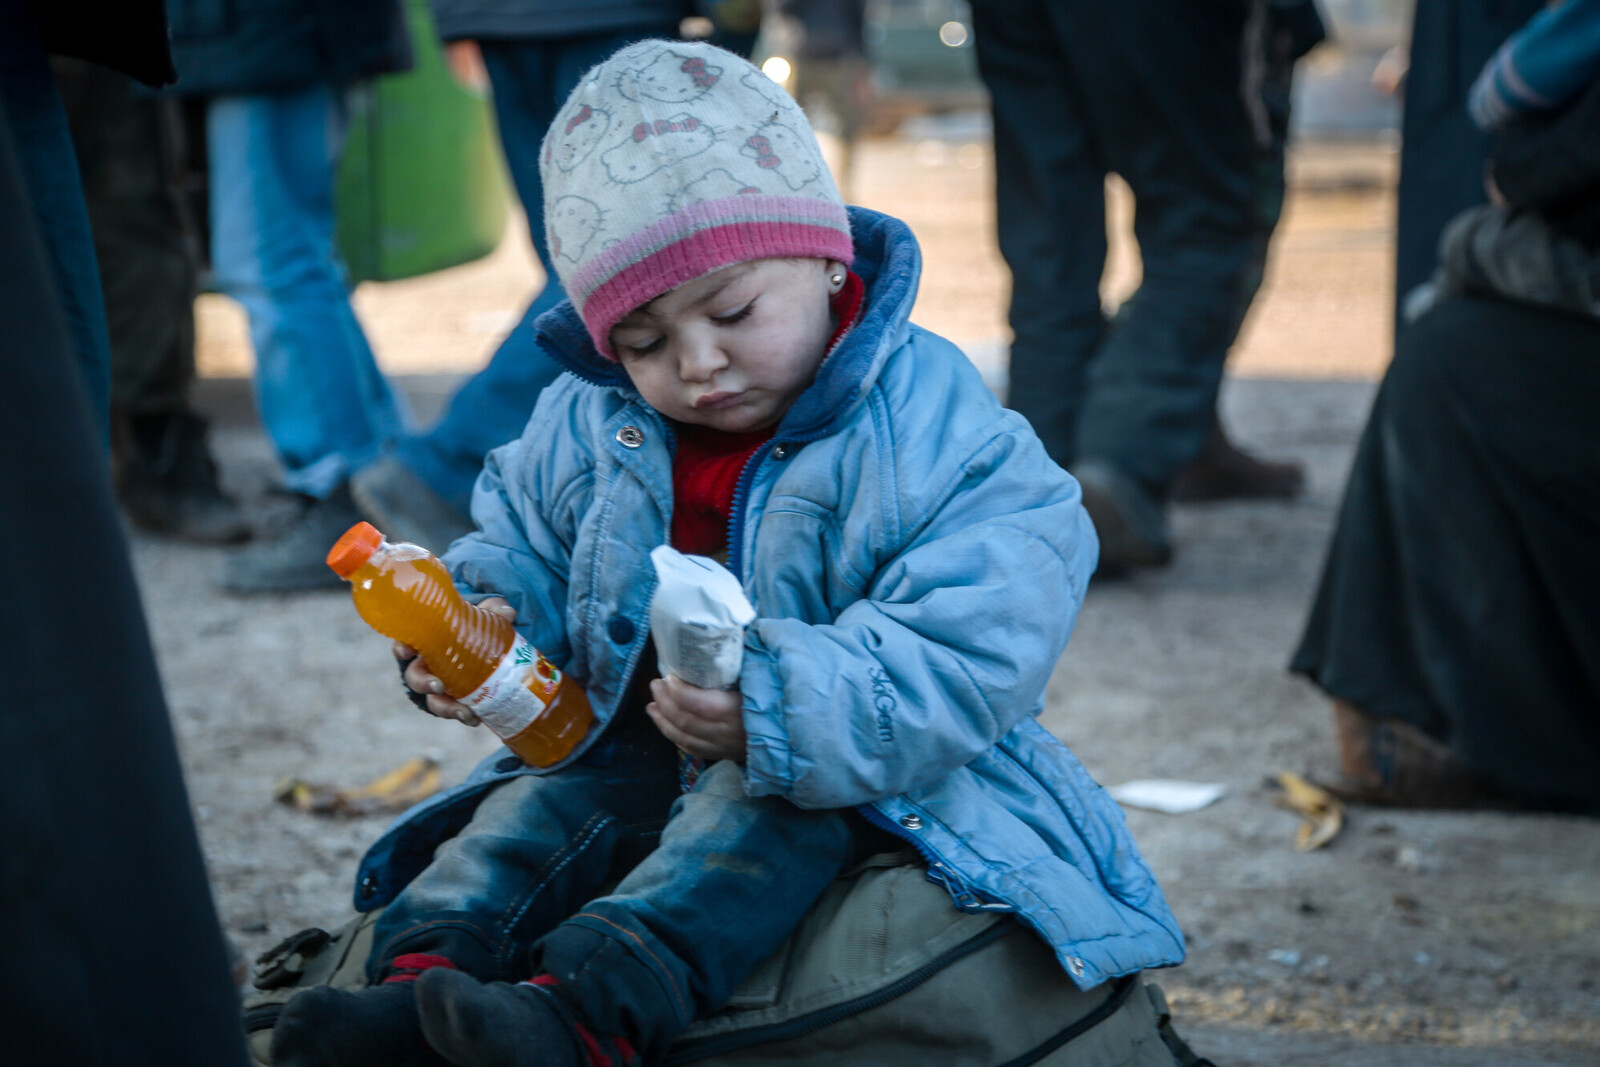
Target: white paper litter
column 1166, row 794
column 698, row 616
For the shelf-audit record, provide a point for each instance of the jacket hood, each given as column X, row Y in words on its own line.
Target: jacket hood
column 889, row 263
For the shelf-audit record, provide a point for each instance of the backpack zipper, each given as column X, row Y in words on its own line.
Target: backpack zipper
column 814, row 1021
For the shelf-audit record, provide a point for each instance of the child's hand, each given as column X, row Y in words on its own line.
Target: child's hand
column 420, row 680
column 703, row 722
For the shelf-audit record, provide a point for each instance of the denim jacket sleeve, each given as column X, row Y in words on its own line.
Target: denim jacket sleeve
column 954, row 640
column 523, row 505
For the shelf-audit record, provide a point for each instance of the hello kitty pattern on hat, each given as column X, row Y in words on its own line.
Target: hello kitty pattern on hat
column 673, row 159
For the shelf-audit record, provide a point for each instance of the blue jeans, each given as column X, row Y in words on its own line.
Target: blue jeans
column 649, row 903
column 323, row 401
column 1080, row 91
column 531, row 80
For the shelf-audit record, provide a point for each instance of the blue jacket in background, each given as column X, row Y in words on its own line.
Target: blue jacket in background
column 481, row 19
column 916, row 563
column 236, row 47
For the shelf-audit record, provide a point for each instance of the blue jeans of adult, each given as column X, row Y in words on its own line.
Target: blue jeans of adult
column 531, row 79
column 651, row 904
column 323, row 401
column 1081, row 90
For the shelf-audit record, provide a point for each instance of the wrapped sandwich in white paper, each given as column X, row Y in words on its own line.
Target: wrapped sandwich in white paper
column 698, row 617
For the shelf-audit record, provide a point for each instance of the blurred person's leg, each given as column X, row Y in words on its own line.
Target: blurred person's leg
column 105, row 889
column 1080, row 89
column 322, row 398
column 1168, row 110
column 1279, row 35
column 1050, row 212
column 842, row 85
column 130, row 153
column 54, row 196
column 1168, row 113
column 323, row 401
column 1458, row 594
column 531, row 80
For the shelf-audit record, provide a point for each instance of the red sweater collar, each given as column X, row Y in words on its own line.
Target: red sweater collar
column 707, row 464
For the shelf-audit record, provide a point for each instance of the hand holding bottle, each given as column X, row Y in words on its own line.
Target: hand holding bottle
column 425, row 683
column 474, row 653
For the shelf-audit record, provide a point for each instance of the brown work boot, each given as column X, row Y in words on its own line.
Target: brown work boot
column 1224, row 471
column 1389, row 763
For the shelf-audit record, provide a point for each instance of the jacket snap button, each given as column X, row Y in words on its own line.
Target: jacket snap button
column 780, row 452
column 507, row 764
column 1075, row 965
column 911, row 822
column 621, row 629
column 369, row 885
column 630, row 437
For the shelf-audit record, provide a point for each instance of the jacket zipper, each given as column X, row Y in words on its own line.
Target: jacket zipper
column 741, row 493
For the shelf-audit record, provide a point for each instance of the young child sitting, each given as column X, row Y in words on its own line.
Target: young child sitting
column 744, row 383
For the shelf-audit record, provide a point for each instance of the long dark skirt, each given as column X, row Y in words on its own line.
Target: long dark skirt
column 1461, row 592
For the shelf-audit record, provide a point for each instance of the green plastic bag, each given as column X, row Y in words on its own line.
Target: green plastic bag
column 422, row 185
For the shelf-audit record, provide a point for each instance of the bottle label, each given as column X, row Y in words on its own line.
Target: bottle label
column 518, row 692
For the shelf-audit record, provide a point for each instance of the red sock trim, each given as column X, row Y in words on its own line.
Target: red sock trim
column 591, row 1047
column 594, row 1052
column 408, row 966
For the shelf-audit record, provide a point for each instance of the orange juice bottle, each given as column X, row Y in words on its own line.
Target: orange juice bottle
column 405, row 593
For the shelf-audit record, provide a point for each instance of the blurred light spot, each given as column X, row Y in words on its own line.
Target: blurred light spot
column 777, row 68
column 696, row 28
column 930, row 153
column 954, row 34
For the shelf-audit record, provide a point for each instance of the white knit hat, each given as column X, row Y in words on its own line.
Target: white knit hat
column 671, row 160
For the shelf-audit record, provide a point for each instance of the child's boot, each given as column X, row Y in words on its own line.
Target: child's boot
column 374, row 1027
column 500, row 1024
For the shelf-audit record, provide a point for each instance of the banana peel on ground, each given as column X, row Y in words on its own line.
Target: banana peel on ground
column 1322, row 811
column 414, row 780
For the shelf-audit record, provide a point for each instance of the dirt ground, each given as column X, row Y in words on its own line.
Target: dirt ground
column 1428, row 939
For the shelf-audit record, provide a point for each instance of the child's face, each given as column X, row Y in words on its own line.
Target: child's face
column 733, row 349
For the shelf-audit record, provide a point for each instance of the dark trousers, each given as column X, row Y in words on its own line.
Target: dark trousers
column 1459, row 590
column 1153, row 92
column 130, row 149
column 532, row 79
column 650, row 905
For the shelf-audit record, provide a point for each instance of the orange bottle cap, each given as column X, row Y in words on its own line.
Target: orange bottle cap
column 354, row 548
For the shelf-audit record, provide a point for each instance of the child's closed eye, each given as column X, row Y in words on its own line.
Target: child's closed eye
column 638, row 349
column 734, row 316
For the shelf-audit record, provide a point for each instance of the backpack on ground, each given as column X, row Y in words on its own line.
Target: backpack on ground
column 882, row 970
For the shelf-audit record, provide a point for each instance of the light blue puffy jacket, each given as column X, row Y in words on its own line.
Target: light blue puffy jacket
column 916, row 563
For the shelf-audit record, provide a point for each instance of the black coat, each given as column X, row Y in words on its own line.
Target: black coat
column 130, row 36
column 223, row 47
